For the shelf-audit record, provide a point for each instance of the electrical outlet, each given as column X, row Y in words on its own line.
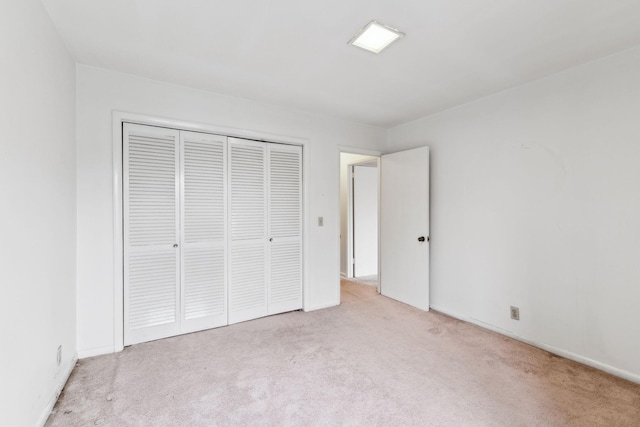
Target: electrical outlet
column 59, row 355
column 515, row 313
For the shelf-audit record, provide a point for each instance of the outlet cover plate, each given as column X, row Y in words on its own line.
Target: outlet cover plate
column 515, row 313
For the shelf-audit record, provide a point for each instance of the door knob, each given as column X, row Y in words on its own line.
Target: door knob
column 271, row 239
column 421, row 239
column 175, row 245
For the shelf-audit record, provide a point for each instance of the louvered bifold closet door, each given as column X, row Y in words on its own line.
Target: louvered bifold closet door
column 247, row 229
column 151, row 218
column 204, row 296
column 285, row 227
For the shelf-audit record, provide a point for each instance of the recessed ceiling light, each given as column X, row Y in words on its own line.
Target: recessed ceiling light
column 375, row 37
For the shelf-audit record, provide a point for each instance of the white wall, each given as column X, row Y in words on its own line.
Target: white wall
column 99, row 92
column 38, row 187
column 346, row 159
column 536, row 203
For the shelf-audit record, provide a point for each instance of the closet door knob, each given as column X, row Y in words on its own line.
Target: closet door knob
column 175, row 245
column 271, row 239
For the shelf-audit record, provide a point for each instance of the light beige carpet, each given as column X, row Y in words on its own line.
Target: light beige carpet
column 371, row 361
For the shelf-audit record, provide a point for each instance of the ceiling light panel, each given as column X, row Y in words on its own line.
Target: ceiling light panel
column 375, row 37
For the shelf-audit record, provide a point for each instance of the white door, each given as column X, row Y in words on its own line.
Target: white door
column 365, row 220
column 151, row 219
column 247, row 230
column 212, row 231
column 285, row 228
column 265, row 215
column 404, row 230
column 204, row 229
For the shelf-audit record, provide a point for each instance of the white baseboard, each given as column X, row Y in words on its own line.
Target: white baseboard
column 83, row 354
column 557, row 351
column 63, row 381
column 320, row 306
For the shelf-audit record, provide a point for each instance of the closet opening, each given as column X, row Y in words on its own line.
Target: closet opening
column 209, row 228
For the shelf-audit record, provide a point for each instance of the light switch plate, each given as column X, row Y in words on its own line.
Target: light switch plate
column 320, row 221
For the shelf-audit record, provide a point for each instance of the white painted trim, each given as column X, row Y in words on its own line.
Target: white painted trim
column 320, row 306
column 357, row 150
column 551, row 349
column 306, row 225
column 350, row 254
column 118, row 239
column 206, row 128
column 46, row 413
column 379, row 166
column 99, row 351
column 118, row 117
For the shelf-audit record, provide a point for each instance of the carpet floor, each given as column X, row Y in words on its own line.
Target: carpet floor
column 371, row 361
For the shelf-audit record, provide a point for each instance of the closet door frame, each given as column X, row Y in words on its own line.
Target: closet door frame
column 118, row 118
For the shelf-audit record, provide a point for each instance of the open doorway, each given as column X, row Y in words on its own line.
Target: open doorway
column 403, row 227
column 359, row 192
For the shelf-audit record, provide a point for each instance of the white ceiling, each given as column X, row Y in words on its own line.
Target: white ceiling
column 295, row 53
